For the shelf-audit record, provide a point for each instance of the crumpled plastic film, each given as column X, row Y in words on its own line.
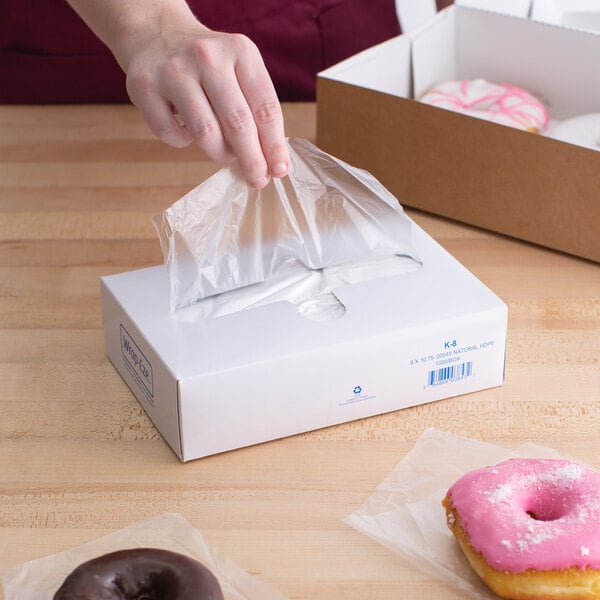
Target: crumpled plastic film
column 311, row 291
column 39, row 579
column 224, row 235
column 405, row 511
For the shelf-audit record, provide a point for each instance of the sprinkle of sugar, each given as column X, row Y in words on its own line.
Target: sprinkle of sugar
column 585, row 551
column 541, row 536
column 523, row 545
column 532, row 538
column 570, row 472
column 564, row 474
column 506, row 544
column 502, row 492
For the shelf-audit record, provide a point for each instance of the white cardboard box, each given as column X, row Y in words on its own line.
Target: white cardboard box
column 217, row 384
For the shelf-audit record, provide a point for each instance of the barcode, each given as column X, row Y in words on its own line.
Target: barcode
column 450, row 372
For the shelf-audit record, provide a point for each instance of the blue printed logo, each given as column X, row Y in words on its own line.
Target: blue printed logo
column 357, row 390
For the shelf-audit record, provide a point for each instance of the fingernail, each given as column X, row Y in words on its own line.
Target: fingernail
column 259, row 184
column 279, row 170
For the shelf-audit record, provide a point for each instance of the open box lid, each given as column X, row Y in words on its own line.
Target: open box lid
column 515, row 8
column 577, row 14
column 413, row 15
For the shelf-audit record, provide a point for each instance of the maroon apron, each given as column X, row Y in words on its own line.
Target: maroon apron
column 48, row 55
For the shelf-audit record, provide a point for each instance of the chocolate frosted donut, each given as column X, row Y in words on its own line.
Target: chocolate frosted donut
column 140, row 574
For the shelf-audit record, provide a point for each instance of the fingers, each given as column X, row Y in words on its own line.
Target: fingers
column 260, row 94
column 161, row 120
column 219, row 86
column 246, row 105
column 160, row 97
column 200, row 120
column 235, row 115
column 237, row 124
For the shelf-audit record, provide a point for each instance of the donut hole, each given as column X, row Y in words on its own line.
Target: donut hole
column 551, row 505
column 544, row 516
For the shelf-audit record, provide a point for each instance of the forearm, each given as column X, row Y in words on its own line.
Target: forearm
column 125, row 25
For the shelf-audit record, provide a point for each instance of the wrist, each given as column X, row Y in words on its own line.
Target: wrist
column 140, row 28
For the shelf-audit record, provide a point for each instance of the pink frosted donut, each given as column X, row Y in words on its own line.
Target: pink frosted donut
column 504, row 104
column 530, row 528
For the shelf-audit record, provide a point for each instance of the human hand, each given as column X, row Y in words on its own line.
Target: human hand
column 193, row 84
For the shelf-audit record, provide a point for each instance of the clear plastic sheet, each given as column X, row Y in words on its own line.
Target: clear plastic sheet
column 405, row 513
column 311, row 291
column 224, row 235
column 39, row 579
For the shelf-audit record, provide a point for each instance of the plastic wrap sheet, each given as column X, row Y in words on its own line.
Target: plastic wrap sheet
column 39, row 579
column 311, row 291
column 224, row 235
column 405, row 513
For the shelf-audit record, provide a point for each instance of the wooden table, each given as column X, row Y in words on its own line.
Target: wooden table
column 78, row 456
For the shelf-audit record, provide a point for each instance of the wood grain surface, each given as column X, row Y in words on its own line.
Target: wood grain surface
column 78, row 456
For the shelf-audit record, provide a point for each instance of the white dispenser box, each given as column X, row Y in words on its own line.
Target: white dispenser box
column 212, row 385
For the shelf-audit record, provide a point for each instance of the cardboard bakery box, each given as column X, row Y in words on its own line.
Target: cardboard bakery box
column 215, row 384
column 518, row 183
